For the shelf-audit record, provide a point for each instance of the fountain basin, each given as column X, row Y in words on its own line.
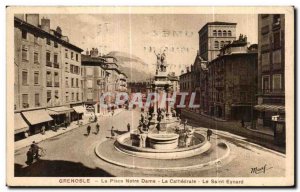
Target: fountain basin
column 163, row 141
column 122, row 145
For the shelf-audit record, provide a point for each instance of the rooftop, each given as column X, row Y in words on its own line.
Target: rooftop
column 216, row 23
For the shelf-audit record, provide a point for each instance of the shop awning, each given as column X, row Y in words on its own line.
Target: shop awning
column 59, row 110
column 272, row 108
column 20, row 124
column 37, row 116
column 79, row 109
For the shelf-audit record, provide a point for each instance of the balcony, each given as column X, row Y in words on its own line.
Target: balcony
column 49, row 83
column 56, row 65
column 49, row 63
column 56, row 84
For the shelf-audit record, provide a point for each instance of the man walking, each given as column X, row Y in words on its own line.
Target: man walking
column 88, row 129
column 128, row 127
column 112, row 132
column 208, row 134
column 97, row 128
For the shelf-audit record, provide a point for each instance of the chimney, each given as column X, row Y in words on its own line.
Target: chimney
column 33, row 19
column 45, row 24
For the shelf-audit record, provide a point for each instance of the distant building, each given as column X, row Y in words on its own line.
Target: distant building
column 232, row 81
column 175, row 82
column 271, row 66
column 40, row 71
column 213, row 36
column 95, row 79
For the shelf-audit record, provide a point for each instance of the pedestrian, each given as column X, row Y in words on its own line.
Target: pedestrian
column 128, row 127
column 97, row 128
column 243, row 122
column 208, row 134
column 158, row 127
column 88, row 129
column 43, row 130
column 112, row 132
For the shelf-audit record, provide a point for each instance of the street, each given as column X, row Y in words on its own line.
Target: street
column 72, row 155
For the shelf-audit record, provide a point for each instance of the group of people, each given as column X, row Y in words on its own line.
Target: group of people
column 33, row 153
column 89, row 128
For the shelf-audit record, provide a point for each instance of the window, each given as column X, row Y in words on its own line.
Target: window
column 55, row 44
column 66, row 67
column 89, row 96
column 72, row 68
column 56, row 94
column 56, row 79
column 48, row 41
column 36, row 39
column 276, row 19
column 25, row 100
column 276, row 40
column 24, row 34
column 77, row 96
column 277, row 57
column 67, row 82
column 55, row 59
column 72, row 55
column 67, row 96
column 48, row 96
column 77, row 84
column 216, row 44
column 265, row 58
column 76, row 57
column 214, row 32
column 24, row 78
column 25, row 55
column 72, row 96
column 222, row 44
column 265, row 83
column 36, row 57
column 37, row 100
column 36, row 78
column 66, row 53
column 219, row 33
column 48, row 57
column 276, row 82
column 49, row 79
column 229, row 33
column 72, row 82
column 224, row 33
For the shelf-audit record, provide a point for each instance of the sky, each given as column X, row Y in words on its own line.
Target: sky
column 141, row 34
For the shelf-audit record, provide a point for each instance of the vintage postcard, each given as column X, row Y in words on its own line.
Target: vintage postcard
column 150, row 96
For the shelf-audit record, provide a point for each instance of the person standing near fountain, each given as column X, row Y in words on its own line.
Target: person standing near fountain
column 208, row 134
column 128, row 127
column 112, row 132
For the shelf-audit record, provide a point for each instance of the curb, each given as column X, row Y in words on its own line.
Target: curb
column 216, row 162
column 256, row 131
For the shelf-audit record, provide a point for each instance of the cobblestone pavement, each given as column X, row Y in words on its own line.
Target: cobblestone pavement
column 72, row 154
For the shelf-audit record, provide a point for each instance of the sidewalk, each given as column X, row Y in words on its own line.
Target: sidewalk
column 49, row 133
column 234, row 127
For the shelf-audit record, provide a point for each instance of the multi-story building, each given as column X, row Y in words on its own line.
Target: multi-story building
column 175, row 82
column 95, row 79
column 271, row 65
column 38, row 74
column 213, row 36
column 232, row 81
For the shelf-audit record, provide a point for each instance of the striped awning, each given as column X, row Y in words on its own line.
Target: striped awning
column 20, row 124
column 272, row 108
column 79, row 109
column 37, row 116
column 59, row 110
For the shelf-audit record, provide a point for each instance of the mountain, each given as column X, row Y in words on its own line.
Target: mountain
column 134, row 67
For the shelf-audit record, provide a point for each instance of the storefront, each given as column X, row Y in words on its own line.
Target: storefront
column 265, row 113
column 21, row 127
column 37, row 119
column 60, row 115
column 78, row 112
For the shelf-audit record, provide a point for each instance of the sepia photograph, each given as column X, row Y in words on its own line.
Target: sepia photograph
column 150, row 96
